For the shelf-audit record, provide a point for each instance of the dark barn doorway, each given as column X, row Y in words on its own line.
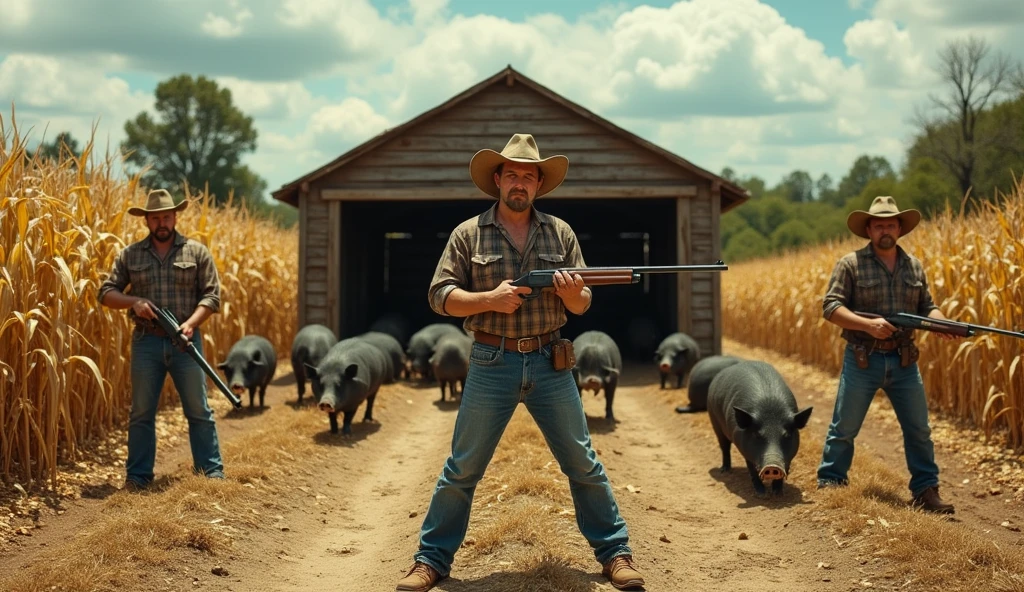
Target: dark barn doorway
column 390, row 251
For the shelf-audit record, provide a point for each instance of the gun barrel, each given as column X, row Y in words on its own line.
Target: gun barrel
column 171, row 326
column 652, row 268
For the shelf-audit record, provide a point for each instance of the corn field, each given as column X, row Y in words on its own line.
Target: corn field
column 64, row 358
column 973, row 265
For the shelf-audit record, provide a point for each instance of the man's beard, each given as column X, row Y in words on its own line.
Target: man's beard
column 886, row 242
column 517, row 205
column 163, row 234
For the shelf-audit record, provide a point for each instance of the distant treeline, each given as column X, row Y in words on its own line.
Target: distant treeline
column 969, row 149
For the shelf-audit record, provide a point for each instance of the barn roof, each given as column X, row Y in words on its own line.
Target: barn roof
column 732, row 195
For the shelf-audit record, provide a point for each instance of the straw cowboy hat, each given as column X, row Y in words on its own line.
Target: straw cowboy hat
column 158, row 201
column 882, row 206
column 520, row 148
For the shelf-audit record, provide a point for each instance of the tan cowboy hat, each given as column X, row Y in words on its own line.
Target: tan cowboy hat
column 521, row 148
column 883, row 206
column 158, row 201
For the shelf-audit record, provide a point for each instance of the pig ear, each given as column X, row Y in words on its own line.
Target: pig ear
column 610, row 370
column 222, row 366
column 800, row 419
column 311, row 370
column 351, row 371
column 743, row 419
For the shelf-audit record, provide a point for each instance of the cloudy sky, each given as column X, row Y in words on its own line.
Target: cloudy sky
column 763, row 86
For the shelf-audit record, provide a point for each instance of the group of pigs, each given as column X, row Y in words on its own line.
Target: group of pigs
column 748, row 402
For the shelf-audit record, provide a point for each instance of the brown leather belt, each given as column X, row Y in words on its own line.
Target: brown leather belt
column 152, row 330
column 878, row 344
column 519, row 344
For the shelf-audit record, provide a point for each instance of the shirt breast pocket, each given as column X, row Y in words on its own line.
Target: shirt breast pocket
column 868, row 296
column 551, row 260
column 487, row 271
column 141, row 276
column 185, row 273
column 912, row 288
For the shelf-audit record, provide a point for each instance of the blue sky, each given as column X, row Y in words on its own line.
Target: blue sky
column 764, row 87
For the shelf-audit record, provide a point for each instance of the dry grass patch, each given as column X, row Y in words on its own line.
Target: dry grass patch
column 179, row 515
column 926, row 551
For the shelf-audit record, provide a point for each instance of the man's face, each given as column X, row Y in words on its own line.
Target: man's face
column 161, row 225
column 517, row 185
column 883, row 232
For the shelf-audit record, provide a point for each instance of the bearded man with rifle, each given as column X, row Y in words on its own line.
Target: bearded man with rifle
column 881, row 279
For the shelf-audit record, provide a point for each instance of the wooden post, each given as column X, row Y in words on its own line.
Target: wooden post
column 684, row 291
column 303, row 231
column 335, row 297
column 716, row 279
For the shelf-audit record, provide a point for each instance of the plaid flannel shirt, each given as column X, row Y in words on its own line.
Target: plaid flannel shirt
column 181, row 282
column 862, row 283
column 480, row 254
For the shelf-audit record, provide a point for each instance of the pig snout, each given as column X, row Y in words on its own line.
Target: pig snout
column 665, row 364
column 237, row 388
column 328, row 403
column 772, row 473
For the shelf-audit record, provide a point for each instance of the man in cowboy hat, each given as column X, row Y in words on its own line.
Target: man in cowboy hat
column 168, row 270
column 511, row 360
column 884, row 279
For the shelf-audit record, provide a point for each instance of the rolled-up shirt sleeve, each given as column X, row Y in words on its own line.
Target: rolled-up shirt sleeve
column 117, row 280
column 926, row 304
column 209, row 282
column 840, row 288
column 574, row 258
column 452, row 272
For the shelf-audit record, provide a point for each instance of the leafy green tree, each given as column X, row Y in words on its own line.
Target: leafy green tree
column 792, row 234
column 927, row 186
column 746, row 244
column 864, row 170
column 64, row 145
column 973, row 81
column 824, row 189
column 731, row 223
column 199, row 138
column 798, row 187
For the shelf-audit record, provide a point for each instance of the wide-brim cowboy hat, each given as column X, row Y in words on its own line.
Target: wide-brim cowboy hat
column 158, row 201
column 520, row 148
column 883, row 206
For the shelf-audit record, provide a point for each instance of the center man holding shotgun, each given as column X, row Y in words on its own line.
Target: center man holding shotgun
column 518, row 356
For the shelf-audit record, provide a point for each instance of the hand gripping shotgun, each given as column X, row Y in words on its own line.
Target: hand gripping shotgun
column 541, row 279
column 169, row 324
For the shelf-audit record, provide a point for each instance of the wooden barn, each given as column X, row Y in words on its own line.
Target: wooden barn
column 373, row 222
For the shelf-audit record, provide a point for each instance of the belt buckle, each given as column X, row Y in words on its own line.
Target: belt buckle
column 519, row 344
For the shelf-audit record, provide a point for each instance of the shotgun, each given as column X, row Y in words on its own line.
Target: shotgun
column 541, row 279
column 165, row 318
column 909, row 321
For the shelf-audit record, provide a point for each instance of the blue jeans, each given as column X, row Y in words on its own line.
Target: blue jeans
column 905, row 390
column 498, row 381
column 152, row 358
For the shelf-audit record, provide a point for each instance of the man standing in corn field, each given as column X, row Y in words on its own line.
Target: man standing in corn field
column 165, row 270
column 884, row 279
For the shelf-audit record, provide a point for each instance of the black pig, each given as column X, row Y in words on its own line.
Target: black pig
column 751, row 406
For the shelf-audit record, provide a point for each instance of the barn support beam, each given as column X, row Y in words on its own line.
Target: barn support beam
column 716, row 279
column 303, row 259
column 684, row 291
column 335, row 293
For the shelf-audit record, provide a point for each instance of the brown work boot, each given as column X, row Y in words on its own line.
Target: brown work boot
column 622, row 574
column 420, row 578
column 930, row 501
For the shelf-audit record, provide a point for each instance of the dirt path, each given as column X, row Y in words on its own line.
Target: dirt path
column 352, row 524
